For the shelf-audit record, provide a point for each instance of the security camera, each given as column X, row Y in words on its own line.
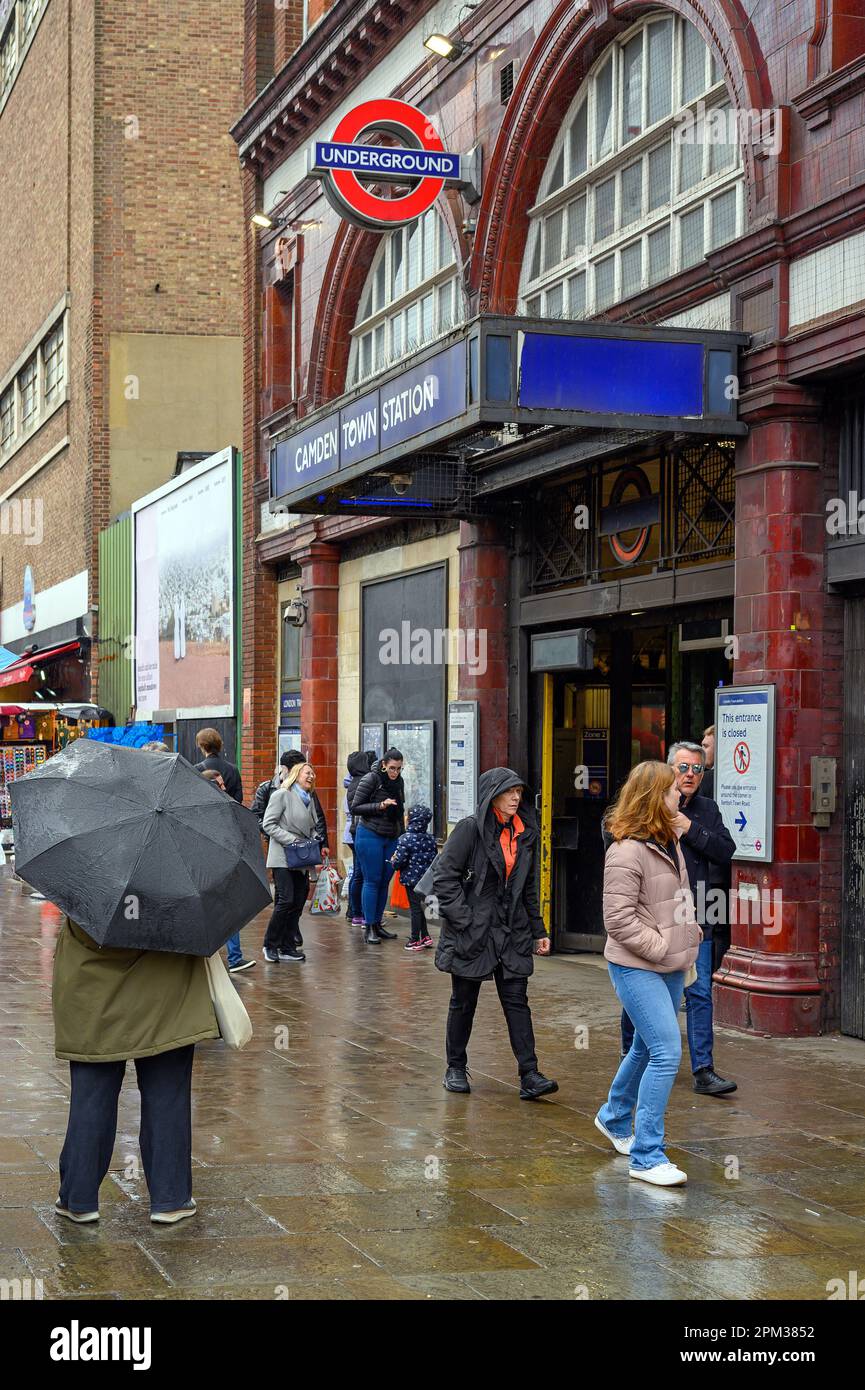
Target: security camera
column 401, row 484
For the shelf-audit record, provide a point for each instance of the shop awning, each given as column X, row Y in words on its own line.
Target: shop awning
column 23, row 667
column 413, row 440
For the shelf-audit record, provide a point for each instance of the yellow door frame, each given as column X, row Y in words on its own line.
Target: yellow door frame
column 547, row 801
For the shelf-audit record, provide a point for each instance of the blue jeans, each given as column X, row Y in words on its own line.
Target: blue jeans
column 355, row 886
column 698, row 1005
column 645, row 1078
column 373, row 853
column 232, row 945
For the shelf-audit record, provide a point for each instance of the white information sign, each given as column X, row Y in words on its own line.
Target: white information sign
column 745, row 766
column 462, row 759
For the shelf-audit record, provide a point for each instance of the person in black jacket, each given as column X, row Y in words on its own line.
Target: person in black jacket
column 485, row 883
column 209, row 742
column 358, row 766
column 378, row 808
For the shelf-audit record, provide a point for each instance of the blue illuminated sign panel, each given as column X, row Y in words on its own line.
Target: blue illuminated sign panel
column 611, row 376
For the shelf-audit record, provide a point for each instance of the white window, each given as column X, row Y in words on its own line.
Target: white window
column 28, row 387
column 645, row 177
column 53, row 373
column 29, row 11
column 8, row 56
column 411, row 297
column 7, row 417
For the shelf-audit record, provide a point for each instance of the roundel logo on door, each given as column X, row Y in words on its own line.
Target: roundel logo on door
column 631, row 512
column 352, row 169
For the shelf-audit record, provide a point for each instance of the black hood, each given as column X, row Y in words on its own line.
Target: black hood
column 359, row 764
column 495, row 781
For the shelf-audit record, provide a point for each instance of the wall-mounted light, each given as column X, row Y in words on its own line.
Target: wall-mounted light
column 444, row 47
column 261, row 219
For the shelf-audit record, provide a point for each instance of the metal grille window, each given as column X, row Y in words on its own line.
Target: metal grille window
column 7, row 417
column 52, row 363
column 411, row 297
column 649, row 148
column 506, row 83
column 28, row 386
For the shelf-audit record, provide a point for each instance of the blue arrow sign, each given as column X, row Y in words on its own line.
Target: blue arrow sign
column 740, row 821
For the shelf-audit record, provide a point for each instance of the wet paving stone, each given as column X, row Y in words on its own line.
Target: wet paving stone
column 330, row 1164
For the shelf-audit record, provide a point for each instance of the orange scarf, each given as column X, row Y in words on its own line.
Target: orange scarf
column 511, row 830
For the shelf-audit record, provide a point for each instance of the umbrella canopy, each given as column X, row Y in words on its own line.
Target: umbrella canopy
column 138, row 848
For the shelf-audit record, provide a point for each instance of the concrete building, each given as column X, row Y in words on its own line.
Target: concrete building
column 650, row 174
column 120, row 280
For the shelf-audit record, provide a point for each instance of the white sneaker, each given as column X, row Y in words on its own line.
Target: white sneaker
column 662, row 1175
column 622, row 1146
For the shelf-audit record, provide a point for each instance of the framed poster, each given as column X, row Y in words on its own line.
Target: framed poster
column 745, row 767
column 372, row 736
column 415, row 740
column 288, row 741
column 462, row 759
column 183, row 555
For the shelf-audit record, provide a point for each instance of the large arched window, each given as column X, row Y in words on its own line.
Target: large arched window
column 412, row 296
column 625, row 201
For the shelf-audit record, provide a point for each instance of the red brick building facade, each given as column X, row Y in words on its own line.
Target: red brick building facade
column 765, row 238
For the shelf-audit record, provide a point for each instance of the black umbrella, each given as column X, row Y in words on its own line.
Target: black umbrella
column 138, row 848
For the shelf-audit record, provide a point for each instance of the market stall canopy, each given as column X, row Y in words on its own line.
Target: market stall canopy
column 22, row 667
column 7, row 658
column 138, row 848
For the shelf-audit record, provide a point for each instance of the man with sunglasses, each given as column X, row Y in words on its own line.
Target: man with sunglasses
column 708, row 848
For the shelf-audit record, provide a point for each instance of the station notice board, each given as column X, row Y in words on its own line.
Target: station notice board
column 462, row 759
column 745, row 767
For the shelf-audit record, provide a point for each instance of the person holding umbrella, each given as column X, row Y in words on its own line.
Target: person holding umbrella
column 154, row 873
column 485, row 880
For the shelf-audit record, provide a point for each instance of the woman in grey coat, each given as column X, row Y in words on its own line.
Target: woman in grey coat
column 292, row 814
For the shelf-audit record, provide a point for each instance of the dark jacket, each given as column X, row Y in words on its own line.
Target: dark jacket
column 707, row 783
column 227, row 771
column 415, row 850
column 359, row 764
column 708, row 847
column 264, row 791
column 488, row 919
column 374, row 788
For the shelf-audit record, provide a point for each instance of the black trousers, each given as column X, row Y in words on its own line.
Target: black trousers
column 165, row 1137
column 513, row 997
column 283, row 929
column 419, row 926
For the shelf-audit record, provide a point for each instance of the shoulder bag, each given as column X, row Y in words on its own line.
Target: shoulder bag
column 231, row 1017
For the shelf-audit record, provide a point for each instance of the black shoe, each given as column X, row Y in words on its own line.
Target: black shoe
column 388, row 935
column 292, row 956
column 534, row 1084
column 241, row 965
column 269, row 955
column 371, row 936
column 707, row 1082
column 456, row 1079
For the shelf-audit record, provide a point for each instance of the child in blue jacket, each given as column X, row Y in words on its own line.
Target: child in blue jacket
column 415, row 851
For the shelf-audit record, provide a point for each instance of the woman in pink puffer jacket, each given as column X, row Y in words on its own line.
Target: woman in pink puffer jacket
column 652, row 942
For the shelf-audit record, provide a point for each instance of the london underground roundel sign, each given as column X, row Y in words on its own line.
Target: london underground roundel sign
column 420, row 159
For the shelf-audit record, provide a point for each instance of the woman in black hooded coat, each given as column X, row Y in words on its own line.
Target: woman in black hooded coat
column 485, row 881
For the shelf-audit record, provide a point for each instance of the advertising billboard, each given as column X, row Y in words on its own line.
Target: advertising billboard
column 183, row 582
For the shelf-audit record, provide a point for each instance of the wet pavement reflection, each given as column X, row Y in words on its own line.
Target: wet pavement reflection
column 329, row 1163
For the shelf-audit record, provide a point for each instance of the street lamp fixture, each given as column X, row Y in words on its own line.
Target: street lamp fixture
column 261, row 219
column 444, row 47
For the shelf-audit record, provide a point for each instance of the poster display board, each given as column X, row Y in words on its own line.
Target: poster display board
column 463, row 741
column 372, row 737
column 183, row 586
column 415, row 740
column 745, row 767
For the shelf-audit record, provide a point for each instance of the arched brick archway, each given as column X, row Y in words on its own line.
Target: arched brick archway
column 566, row 48
column 348, row 265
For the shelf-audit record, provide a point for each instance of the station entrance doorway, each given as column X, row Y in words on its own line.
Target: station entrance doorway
column 651, row 681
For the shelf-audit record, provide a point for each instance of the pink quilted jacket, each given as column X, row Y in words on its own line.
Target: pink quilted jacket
column 648, row 908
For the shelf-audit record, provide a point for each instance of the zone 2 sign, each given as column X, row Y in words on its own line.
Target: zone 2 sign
column 420, row 159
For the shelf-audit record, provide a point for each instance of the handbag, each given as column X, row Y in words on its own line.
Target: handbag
column 303, row 854
column 231, row 1017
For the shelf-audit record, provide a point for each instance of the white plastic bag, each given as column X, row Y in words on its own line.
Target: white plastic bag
column 326, row 895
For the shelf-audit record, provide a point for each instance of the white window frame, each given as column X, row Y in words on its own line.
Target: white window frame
column 381, row 316
column 24, row 36
column 46, row 404
column 536, row 288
